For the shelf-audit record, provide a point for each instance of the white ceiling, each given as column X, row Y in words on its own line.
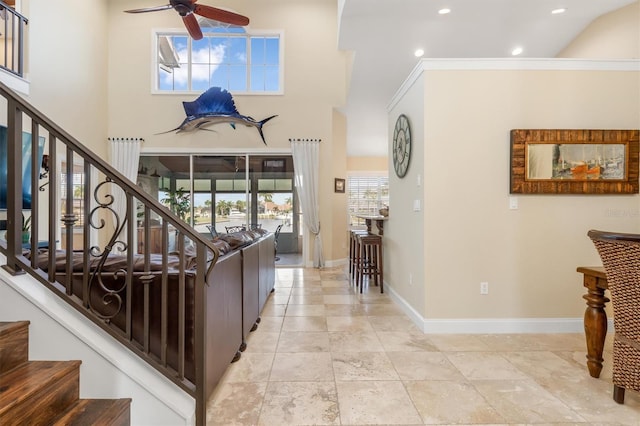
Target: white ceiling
column 385, row 33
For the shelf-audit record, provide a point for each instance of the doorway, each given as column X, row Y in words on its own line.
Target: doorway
column 223, row 191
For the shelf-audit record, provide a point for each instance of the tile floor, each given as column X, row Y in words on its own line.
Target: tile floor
column 324, row 355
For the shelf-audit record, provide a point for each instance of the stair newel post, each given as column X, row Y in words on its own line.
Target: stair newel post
column 14, row 187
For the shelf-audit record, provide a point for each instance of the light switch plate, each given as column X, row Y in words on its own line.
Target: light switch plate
column 513, row 203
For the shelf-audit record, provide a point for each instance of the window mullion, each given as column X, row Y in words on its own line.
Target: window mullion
column 189, row 62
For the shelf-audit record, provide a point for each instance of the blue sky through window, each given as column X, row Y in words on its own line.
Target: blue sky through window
column 225, row 57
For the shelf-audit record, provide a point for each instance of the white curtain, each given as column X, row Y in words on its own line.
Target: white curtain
column 305, row 154
column 125, row 157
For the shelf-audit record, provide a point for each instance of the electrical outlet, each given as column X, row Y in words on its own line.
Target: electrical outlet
column 484, row 287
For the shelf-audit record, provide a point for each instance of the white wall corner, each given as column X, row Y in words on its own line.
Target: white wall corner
column 14, row 82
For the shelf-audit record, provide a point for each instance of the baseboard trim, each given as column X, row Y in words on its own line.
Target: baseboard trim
column 489, row 325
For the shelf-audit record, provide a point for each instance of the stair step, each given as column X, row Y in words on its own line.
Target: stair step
column 96, row 412
column 14, row 344
column 36, row 391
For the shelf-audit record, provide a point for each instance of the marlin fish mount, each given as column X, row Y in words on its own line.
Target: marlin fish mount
column 212, row 107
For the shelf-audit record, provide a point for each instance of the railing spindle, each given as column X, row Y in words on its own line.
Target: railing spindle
column 108, row 292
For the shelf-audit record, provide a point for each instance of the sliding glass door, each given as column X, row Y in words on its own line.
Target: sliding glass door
column 219, row 192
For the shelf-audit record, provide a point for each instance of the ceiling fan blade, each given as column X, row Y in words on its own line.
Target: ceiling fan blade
column 221, row 15
column 192, row 25
column 150, row 9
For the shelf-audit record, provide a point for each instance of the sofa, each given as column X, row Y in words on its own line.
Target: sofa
column 236, row 290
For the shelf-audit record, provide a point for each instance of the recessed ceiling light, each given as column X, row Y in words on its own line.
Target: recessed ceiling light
column 516, row 51
column 418, row 53
column 558, row 11
column 444, row 11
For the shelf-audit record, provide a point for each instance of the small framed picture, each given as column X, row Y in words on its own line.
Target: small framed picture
column 339, row 185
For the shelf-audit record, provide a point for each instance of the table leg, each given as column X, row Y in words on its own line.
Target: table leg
column 368, row 222
column 595, row 325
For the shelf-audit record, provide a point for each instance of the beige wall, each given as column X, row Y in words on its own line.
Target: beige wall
column 337, row 201
column 404, row 238
column 529, row 255
column 68, row 66
column 367, row 164
column 315, row 82
column 614, row 35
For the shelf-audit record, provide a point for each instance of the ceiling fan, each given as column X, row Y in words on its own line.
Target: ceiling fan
column 188, row 9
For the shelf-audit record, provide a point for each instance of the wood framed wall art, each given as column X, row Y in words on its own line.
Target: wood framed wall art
column 564, row 161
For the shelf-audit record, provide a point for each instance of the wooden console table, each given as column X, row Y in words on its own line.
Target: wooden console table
column 379, row 219
column 595, row 318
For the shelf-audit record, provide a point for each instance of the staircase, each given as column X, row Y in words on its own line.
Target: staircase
column 47, row 392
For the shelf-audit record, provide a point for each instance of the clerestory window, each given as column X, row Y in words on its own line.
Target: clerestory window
column 231, row 58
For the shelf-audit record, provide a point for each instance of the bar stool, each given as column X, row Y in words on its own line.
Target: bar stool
column 354, row 249
column 369, row 260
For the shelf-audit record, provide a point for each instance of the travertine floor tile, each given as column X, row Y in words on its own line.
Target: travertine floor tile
column 524, row 401
column 305, row 310
column 299, row 291
column 273, row 310
column 281, row 299
column 424, row 366
column 273, row 324
column 440, row 402
column 534, row 342
column 304, row 323
column 348, row 323
column 459, row 343
column 325, row 354
column 363, row 366
column 399, row 341
column 346, row 341
column 251, row 367
column 376, row 403
column 336, row 291
column 306, row 299
column 304, row 341
column 262, row 341
column 300, row 403
column 374, row 297
column 340, row 299
column 543, row 364
column 345, row 310
column 592, row 399
column 382, row 309
column 302, row 367
column 392, row 323
column 335, row 283
column 485, row 366
column 236, row 404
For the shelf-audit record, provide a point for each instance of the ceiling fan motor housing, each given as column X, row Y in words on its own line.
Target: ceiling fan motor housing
column 183, row 7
